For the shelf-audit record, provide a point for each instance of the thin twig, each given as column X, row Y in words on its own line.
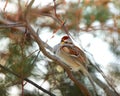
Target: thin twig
column 12, row 25
column 60, row 21
column 35, row 58
column 57, row 60
column 28, row 80
column 5, row 5
column 106, row 88
column 102, row 73
column 55, row 12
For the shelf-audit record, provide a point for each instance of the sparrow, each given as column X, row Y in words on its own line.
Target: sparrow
column 72, row 56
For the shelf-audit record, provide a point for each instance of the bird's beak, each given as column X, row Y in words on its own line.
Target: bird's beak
column 62, row 43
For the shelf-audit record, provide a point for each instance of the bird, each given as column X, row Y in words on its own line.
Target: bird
column 73, row 57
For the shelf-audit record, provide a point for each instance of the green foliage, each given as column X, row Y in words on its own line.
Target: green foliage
column 4, row 32
column 18, row 62
column 101, row 13
column 34, row 93
column 3, row 91
column 73, row 90
column 96, row 13
column 22, row 62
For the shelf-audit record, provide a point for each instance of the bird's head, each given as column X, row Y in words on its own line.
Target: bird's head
column 66, row 40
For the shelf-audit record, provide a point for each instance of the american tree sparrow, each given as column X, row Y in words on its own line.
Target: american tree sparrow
column 72, row 56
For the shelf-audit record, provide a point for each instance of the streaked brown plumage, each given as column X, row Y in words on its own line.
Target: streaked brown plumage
column 73, row 56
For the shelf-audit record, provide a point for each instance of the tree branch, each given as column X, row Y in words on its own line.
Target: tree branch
column 57, row 60
column 107, row 90
column 103, row 85
column 28, row 80
column 44, row 45
column 11, row 24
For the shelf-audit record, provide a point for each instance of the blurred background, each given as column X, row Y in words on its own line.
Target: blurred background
column 94, row 26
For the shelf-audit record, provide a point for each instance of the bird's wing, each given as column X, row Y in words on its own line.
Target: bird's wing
column 76, row 53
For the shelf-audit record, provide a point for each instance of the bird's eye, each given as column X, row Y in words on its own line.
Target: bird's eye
column 66, row 42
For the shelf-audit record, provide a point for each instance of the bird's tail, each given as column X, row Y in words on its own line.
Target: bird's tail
column 86, row 73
